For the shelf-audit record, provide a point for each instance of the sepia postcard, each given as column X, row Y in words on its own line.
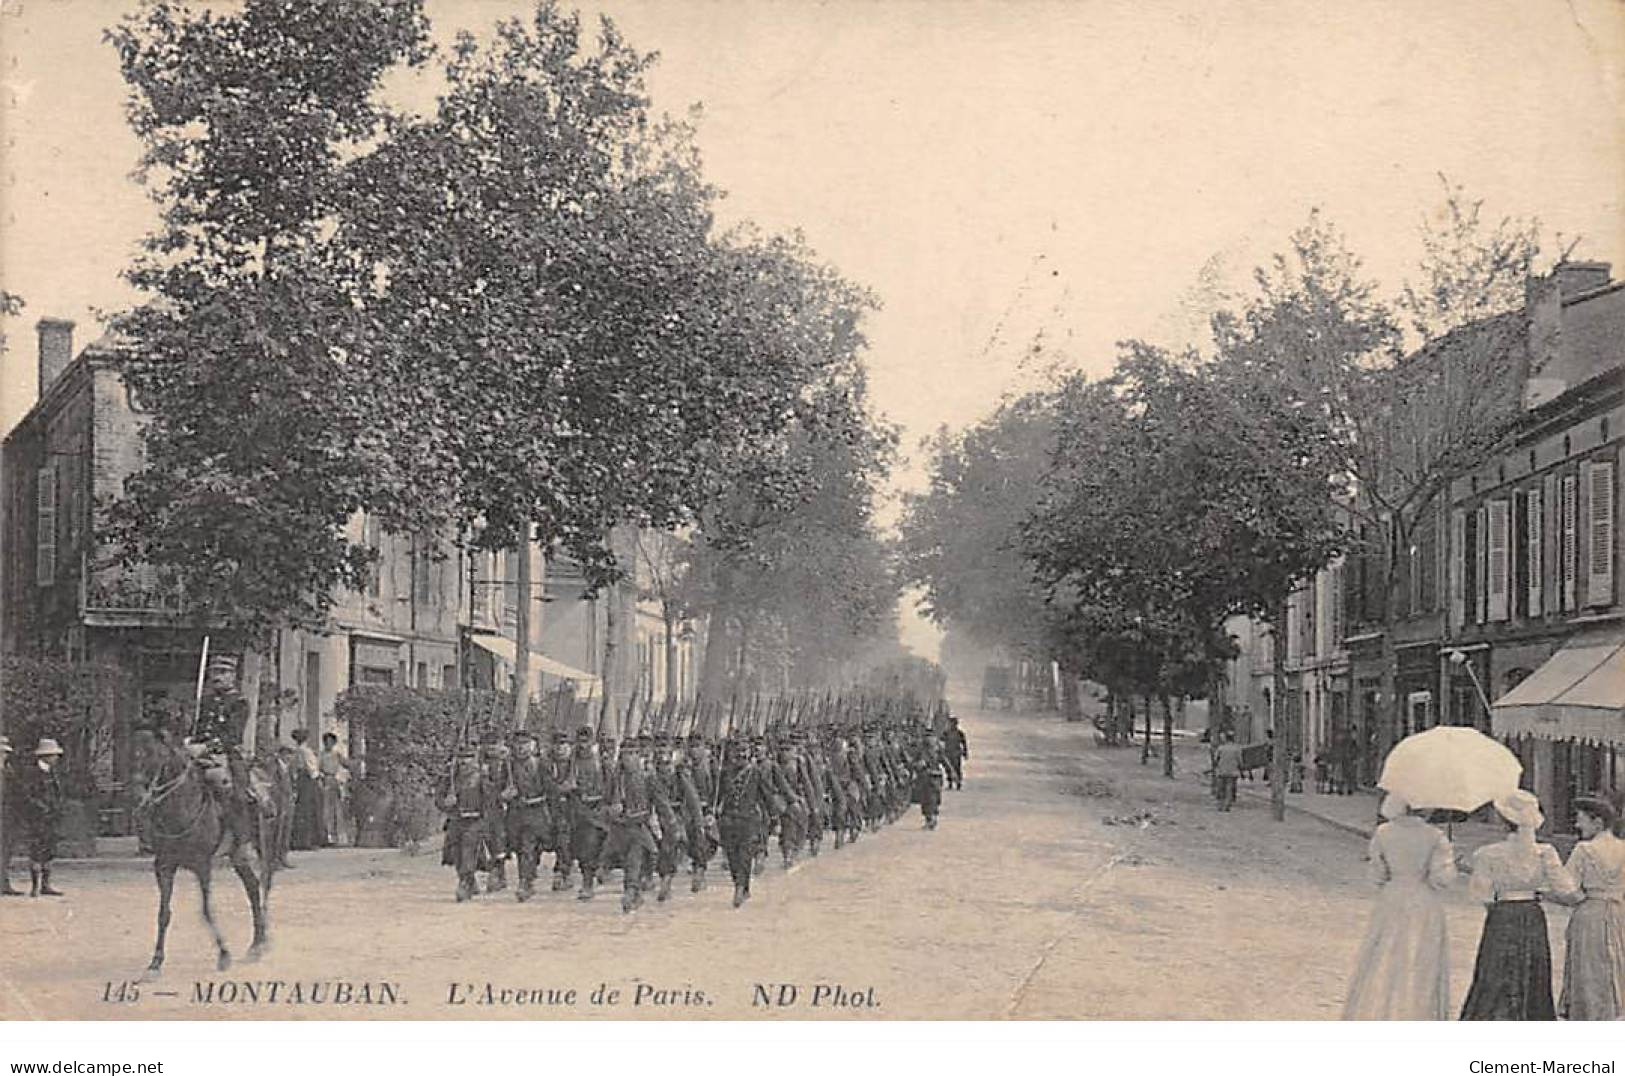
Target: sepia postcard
column 858, row 510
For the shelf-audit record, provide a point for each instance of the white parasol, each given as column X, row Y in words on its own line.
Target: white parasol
column 1450, row 767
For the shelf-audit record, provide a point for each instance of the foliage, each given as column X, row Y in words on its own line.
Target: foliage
column 411, row 736
column 70, row 702
column 259, row 446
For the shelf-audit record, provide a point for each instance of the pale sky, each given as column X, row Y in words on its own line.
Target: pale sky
column 989, row 169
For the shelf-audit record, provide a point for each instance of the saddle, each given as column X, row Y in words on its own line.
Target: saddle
column 231, row 779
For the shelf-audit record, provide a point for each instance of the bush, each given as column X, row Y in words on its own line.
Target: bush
column 72, row 703
column 409, row 737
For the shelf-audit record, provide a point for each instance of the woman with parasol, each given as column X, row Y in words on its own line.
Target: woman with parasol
column 1403, row 970
column 1512, row 978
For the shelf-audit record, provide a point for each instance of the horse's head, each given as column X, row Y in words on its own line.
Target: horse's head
column 151, row 759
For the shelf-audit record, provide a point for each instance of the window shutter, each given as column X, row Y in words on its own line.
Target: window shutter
column 1600, row 533
column 45, row 547
column 1458, row 567
column 1570, row 539
column 1497, row 560
column 1481, row 582
column 1535, row 534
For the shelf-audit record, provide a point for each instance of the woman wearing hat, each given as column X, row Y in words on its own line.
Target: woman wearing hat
column 1594, row 970
column 1403, row 971
column 1512, row 978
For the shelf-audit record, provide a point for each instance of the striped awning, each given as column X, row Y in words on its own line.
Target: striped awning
column 1578, row 694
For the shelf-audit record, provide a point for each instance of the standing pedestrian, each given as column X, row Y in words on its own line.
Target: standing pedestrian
column 1594, row 968
column 39, row 797
column 333, row 773
column 1512, row 977
column 1403, row 970
column 956, row 750
column 1226, row 770
column 307, row 813
column 8, row 819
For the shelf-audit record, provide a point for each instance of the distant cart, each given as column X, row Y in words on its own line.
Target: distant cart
column 999, row 683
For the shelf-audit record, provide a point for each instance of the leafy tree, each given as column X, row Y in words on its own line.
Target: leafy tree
column 259, row 446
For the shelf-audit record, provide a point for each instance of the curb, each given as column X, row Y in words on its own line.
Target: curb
column 1347, row 827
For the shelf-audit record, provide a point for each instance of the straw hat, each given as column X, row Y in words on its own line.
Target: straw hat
column 1521, row 808
column 48, row 746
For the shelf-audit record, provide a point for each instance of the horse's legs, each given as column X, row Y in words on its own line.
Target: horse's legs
column 165, row 873
column 203, row 884
column 243, row 864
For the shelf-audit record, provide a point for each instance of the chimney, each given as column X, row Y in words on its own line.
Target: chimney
column 55, row 350
column 1576, row 277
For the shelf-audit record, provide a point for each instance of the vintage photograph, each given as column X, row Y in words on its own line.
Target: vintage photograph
column 854, row 510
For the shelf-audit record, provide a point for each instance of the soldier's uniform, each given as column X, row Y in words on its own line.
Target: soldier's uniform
column 694, row 790
column 558, row 786
column 632, row 814
column 528, row 821
column 814, row 792
column 495, row 822
column 928, row 766
column 465, row 807
column 744, row 803
column 955, row 750
column 785, row 776
column 666, row 792
column 589, row 825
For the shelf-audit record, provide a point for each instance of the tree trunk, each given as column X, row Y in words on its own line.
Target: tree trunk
column 1069, row 696
column 719, row 645
column 1278, row 756
column 1167, row 738
column 521, row 637
column 672, row 687
column 253, row 673
column 1145, row 748
column 611, row 666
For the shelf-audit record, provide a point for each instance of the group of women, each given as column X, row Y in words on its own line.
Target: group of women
column 1403, row 970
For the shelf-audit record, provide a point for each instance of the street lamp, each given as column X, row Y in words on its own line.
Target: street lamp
column 1458, row 658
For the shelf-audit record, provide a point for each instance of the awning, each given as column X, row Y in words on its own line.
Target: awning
column 1578, row 694
column 540, row 664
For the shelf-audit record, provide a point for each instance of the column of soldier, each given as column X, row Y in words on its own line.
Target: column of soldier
column 674, row 793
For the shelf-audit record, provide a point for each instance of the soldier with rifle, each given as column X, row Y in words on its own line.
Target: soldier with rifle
column 589, row 825
column 742, row 803
column 785, row 776
column 955, row 749
column 556, row 787
column 466, row 808
column 693, row 773
column 666, row 792
column 529, row 821
column 631, row 813
column 495, row 768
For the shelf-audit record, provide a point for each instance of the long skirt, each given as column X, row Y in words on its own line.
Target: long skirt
column 1403, row 970
column 1594, row 971
column 1512, row 978
column 307, row 814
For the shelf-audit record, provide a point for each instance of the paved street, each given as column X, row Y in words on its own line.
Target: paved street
column 1066, row 881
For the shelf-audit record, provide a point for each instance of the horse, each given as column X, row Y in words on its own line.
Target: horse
column 186, row 825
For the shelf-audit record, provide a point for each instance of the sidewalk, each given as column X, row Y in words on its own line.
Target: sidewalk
column 1355, row 814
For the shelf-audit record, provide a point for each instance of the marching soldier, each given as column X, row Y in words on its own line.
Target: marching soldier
column 495, row 823
column 928, row 765
column 465, row 809
column 632, row 814
column 784, row 775
column 744, row 801
column 589, row 825
column 699, row 823
column 557, row 783
column 956, row 749
column 665, row 791
column 528, row 823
